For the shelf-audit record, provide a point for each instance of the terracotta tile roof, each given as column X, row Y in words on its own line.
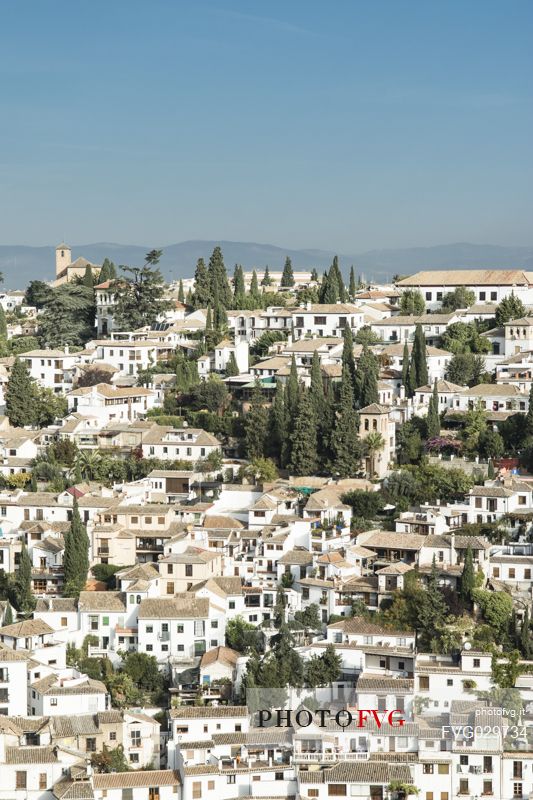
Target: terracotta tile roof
column 29, row 627
column 208, row 712
column 180, row 606
column 469, row 277
column 30, row 755
column 137, row 778
column 224, row 655
column 102, row 601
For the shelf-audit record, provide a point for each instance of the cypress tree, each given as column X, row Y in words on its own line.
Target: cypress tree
column 32, row 487
column 88, row 279
column 524, row 635
column 25, row 600
column 420, row 358
column 21, row 398
column 112, row 271
column 256, row 424
column 304, row 457
column 513, row 629
column 353, row 285
column 529, row 415
column 314, row 275
column 330, row 289
column 105, row 272
column 267, row 280
column 341, row 288
column 8, row 616
column 433, row 417
column 3, row 323
column 218, row 279
column 239, row 289
column 209, row 320
column 405, row 371
column 292, row 394
column 412, row 382
column 278, row 425
column 254, row 290
column 345, row 444
column 491, row 472
column 366, row 378
column 317, row 387
column 287, row 278
column 348, row 362
column 202, row 292
column 181, row 292
column 468, row 578
column 432, row 608
column 220, row 318
column 76, row 555
column 231, row 367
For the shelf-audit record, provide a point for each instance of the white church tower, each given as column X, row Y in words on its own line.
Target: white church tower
column 63, row 258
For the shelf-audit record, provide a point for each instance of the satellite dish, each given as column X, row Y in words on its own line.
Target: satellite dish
column 467, row 646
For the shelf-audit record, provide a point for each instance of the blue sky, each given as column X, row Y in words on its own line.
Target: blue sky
column 343, row 125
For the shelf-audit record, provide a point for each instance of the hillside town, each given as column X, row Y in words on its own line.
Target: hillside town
column 266, row 481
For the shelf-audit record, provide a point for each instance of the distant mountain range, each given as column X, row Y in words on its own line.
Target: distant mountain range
column 21, row 264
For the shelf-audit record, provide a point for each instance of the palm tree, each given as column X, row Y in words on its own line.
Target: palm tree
column 374, row 442
column 88, row 462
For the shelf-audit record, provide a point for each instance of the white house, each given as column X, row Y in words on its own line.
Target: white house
column 488, row 285
column 108, row 403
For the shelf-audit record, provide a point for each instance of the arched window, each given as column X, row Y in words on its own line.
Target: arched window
column 138, row 599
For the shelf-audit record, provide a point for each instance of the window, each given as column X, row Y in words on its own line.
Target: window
column 112, row 736
column 180, row 628
column 64, row 622
column 231, row 605
column 428, row 769
column 517, row 769
column 153, row 793
column 188, row 570
column 136, row 738
column 443, row 769
column 53, row 701
column 149, row 629
column 494, row 295
column 337, row 790
column 449, row 681
column 149, row 648
column 512, row 572
column 312, row 792
column 487, row 787
column 517, row 789
column 42, row 781
column 477, row 662
column 483, row 295
column 230, row 779
column 463, row 760
column 214, row 623
column 210, row 786
column 196, row 790
column 90, row 745
column 20, row 780
column 105, row 621
column 256, row 778
column 428, row 295
column 429, row 795
column 127, row 794
column 463, row 786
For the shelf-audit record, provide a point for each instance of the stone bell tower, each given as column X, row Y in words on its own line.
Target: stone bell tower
column 63, row 258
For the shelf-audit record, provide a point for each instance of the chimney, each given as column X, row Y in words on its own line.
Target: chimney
column 67, row 349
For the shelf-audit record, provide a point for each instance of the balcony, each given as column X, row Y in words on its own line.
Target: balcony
column 328, row 758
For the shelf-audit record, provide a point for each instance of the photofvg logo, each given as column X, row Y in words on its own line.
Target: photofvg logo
column 321, row 708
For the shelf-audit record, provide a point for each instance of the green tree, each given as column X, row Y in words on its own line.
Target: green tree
column 277, row 425
column 330, row 289
column 181, row 292
column 304, row 456
column 239, row 289
column 88, row 278
column 345, row 443
column 21, row 404
column 24, row 600
column 255, row 294
column 432, row 610
column 373, row 443
column 267, row 280
column 256, row 425
column 366, row 378
column 143, row 670
column 433, row 416
column 314, row 275
column 287, row 278
column 140, row 299
column 202, row 291
column 406, row 373
column 468, row 578
column 219, row 286
column 76, row 555
column 38, row 294
column 3, row 323
column 332, row 664
column 466, row 369
column 339, row 280
column 412, row 302
column 348, row 362
column 510, row 308
column 110, row 760
column 461, row 297
column 352, row 286
column 231, row 367
column 317, row 388
column 525, row 641
column 241, row 635
column 262, row 470
column 68, row 316
column 465, row 337
column 364, row 504
column 105, row 271
column 420, row 358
